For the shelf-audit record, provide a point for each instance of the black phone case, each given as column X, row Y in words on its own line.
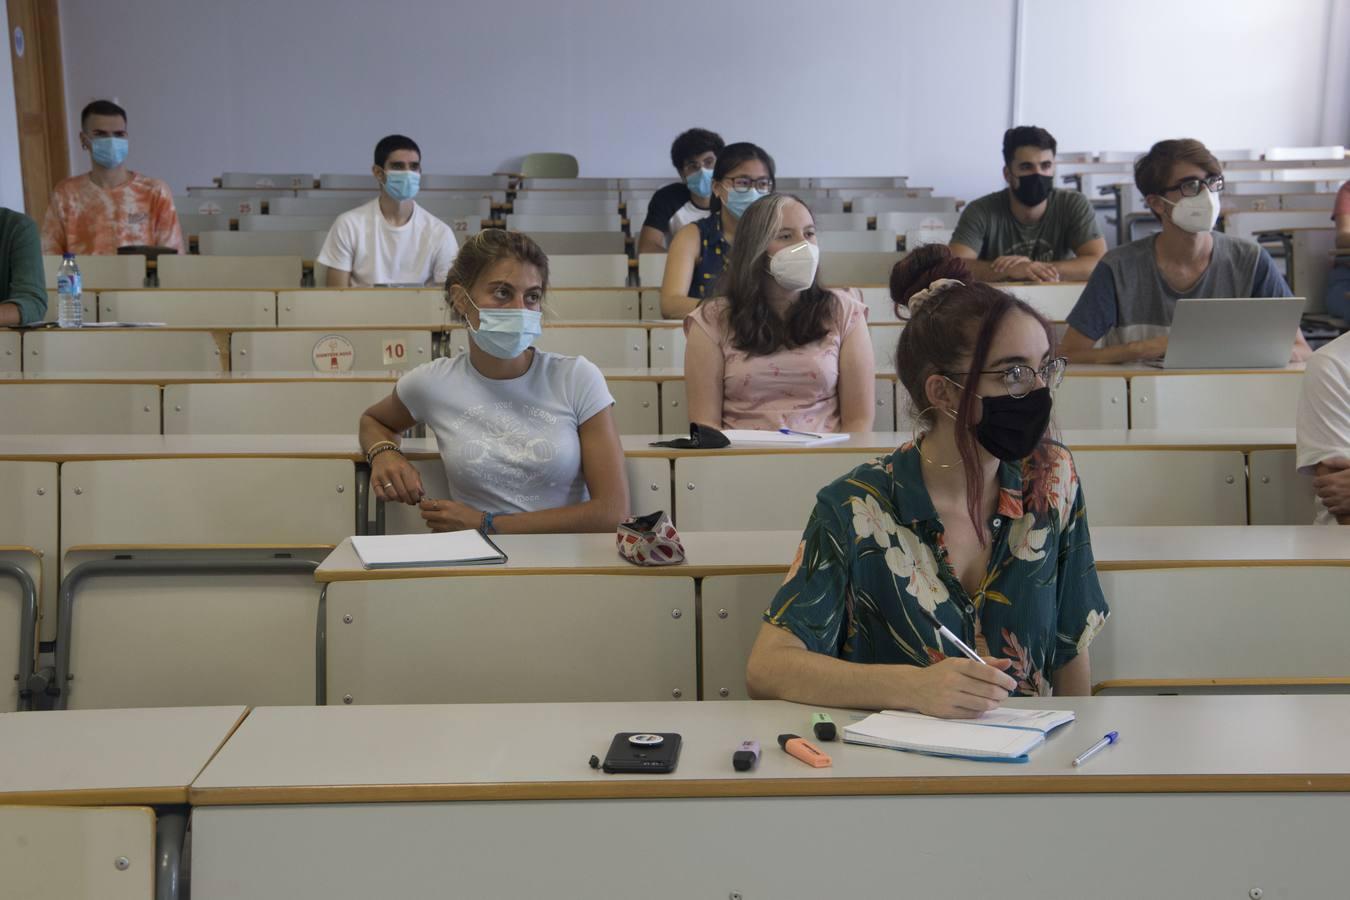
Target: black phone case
column 623, row 757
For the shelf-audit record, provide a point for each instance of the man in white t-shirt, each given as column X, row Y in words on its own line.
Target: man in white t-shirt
column 390, row 240
column 1324, row 430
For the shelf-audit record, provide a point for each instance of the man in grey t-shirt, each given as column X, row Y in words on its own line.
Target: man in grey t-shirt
column 1129, row 300
column 1029, row 231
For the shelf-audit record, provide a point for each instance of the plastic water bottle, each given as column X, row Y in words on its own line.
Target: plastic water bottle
column 70, row 313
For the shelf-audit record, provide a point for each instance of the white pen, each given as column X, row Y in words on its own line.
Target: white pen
column 947, row 633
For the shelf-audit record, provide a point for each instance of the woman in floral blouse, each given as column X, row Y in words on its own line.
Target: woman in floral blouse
column 980, row 522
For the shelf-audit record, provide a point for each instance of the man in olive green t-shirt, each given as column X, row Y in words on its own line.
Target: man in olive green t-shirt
column 23, row 291
column 1030, row 231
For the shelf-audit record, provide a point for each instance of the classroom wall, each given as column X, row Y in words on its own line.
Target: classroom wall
column 864, row 87
column 11, row 177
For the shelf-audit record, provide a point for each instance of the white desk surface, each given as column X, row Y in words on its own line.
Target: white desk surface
column 708, row 553
column 65, row 447
column 639, row 445
column 712, row 553
column 286, row 755
column 109, row 756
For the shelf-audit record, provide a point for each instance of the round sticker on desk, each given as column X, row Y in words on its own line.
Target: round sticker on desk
column 333, row 353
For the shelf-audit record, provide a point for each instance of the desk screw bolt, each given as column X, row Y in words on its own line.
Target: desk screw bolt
column 1256, row 893
column 347, row 699
column 675, row 613
column 122, row 863
column 677, row 693
column 347, row 620
column 735, row 895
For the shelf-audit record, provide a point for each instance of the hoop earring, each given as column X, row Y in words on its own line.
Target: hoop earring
column 914, row 437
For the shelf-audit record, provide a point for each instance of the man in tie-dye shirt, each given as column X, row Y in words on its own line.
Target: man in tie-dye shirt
column 110, row 206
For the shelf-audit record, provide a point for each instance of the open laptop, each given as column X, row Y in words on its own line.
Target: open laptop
column 1232, row 333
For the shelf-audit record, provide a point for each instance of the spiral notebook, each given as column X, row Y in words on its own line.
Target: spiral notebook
column 1002, row 735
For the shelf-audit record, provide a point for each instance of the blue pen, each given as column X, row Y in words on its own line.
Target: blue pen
column 801, row 433
column 1092, row 751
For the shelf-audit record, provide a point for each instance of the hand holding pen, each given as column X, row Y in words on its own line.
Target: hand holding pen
column 961, row 688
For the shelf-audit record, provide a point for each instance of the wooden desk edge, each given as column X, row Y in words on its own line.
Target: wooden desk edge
column 773, row 787
column 125, row 796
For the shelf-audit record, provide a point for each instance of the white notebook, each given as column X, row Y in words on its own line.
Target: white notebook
column 450, row 548
column 1004, row 735
column 795, row 439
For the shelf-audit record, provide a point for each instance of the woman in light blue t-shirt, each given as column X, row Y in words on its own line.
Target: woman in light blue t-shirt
column 527, row 437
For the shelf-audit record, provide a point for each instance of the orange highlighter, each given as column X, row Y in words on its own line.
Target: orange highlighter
column 804, row 750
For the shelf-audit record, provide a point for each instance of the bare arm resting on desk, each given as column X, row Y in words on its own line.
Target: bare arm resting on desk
column 337, row 278
column 1007, row 268
column 392, row 477
column 675, row 300
column 781, row 667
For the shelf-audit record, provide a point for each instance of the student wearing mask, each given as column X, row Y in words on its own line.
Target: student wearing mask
column 775, row 349
column 743, row 174
column 527, row 437
column 1030, row 231
column 23, row 293
column 390, row 240
column 109, row 206
column 1128, row 302
column 980, row 521
column 694, row 154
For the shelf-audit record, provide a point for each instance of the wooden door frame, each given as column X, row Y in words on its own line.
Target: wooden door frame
column 39, row 100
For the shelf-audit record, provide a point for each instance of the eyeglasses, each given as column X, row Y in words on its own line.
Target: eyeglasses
column 691, row 166
column 743, row 184
column 1189, row 187
column 1021, row 380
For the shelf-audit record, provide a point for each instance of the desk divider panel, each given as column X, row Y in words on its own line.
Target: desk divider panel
column 79, row 408
column 117, row 350
column 73, row 853
column 580, row 305
column 637, row 409
column 609, row 347
column 1280, row 494
column 507, row 638
column 1163, row 487
column 1224, row 622
column 760, row 491
column 191, row 309
column 277, row 407
column 330, row 351
column 732, row 609
column 1215, row 400
column 11, row 353
column 266, row 273
column 345, row 309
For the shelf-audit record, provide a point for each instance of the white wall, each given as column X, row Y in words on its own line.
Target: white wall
column 11, row 177
column 860, row 87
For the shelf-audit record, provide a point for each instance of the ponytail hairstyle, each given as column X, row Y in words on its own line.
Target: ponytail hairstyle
column 484, row 249
column 947, row 332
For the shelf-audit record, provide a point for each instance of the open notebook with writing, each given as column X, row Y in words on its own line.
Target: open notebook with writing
column 450, row 548
column 1002, row 735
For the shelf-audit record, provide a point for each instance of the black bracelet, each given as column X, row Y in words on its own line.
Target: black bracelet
column 371, row 458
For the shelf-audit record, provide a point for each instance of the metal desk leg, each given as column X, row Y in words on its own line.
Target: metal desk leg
column 27, row 631
column 170, row 834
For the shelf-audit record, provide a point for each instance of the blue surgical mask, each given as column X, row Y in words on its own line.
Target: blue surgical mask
column 700, row 183
column 402, row 185
column 505, row 333
column 738, row 202
column 108, row 152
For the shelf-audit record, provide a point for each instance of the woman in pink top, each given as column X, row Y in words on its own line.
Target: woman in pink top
column 775, row 349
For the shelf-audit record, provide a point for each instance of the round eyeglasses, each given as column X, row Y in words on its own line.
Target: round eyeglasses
column 1021, row 380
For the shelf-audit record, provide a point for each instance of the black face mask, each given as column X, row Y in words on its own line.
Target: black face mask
column 1033, row 189
column 1011, row 427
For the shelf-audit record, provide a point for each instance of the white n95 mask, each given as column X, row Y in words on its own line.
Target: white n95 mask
column 794, row 268
column 1196, row 214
